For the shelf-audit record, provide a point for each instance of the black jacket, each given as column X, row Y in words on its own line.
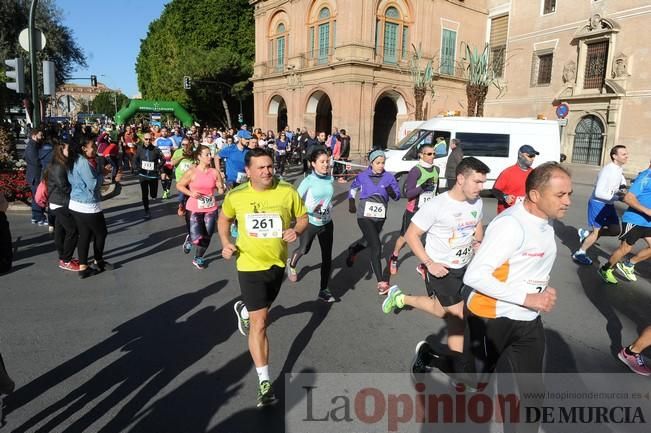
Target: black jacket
column 345, row 146
column 58, row 187
column 149, row 153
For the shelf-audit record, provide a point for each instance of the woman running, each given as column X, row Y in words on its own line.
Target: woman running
column 316, row 191
column 375, row 187
column 281, row 147
column 199, row 184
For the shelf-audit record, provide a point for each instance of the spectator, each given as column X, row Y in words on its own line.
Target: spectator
column 455, row 157
column 34, row 171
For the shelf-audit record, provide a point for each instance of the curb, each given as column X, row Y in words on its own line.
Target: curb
column 20, row 207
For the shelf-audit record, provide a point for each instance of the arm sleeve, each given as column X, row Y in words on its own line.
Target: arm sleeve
column 393, row 183
column 499, row 244
column 410, row 184
column 425, row 218
column 354, row 187
column 604, row 188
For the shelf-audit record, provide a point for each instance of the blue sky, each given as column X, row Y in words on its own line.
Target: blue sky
column 109, row 32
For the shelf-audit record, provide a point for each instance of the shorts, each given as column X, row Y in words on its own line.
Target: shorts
column 406, row 220
column 601, row 214
column 260, row 288
column 169, row 171
column 446, row 289
column 632, row 233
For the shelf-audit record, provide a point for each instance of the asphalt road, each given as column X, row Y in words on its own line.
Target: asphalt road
column 153, row 345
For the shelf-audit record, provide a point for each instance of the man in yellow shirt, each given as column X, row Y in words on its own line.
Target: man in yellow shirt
column 264, row 208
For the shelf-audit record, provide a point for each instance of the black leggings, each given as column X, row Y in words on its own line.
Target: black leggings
column 91, row 227
column 148, row 187
column 325, row 234
column 65, row 233
column 371, row 238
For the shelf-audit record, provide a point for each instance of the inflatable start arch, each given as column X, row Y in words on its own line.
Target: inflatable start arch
column 139, row 105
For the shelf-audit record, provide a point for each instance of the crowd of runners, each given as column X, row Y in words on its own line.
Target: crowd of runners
column 489, row 285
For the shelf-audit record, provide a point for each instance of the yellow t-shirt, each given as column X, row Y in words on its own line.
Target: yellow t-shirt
column 259, row 215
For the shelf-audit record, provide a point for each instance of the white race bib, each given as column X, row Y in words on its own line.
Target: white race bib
column 462, row 255
column 374, row 210
column 281, row 152
column 324, row 214
column 425, row 197
column 241, row 177
column 536, row 286
column 206, row 202
column 147, row 165
column 264, row 225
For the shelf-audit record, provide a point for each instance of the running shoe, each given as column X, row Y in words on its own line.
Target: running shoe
column 422, row 271
column 394, row 300
column 72, row 265
column 608, row 275
column 393, row 265
column 181, row 210
column 34, row 221
column 242, row 323
column 351, row 257
column 581, row 259
column 292, row 275
column 50, row 229
column 325, row 295
column 382, row 288
column 634, row 362
column 199, row 262
column 627, row 271
column 103, row 265
column 266, row 395
column 420, row 362
column 166, row 194
column 187, row 245
column 43, row 223
column 583, row 233
column 234, row 231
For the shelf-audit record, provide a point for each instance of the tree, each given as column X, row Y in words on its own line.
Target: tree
column 61, row 48
column 481, row 75
column 208, row 40
column 422, row 78
column 108, row 103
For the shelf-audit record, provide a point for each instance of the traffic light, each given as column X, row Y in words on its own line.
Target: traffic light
column 187, row 82
column 240, row 118
column 16, row 73
column 93, row 80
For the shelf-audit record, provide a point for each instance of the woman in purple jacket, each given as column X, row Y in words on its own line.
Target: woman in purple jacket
column 374, row 186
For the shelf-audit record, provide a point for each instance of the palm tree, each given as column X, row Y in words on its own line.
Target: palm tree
column 481, row 75
column 423, row 80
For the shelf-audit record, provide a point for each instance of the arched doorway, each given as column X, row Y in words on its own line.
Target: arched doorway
column 278, row 109
column 320, row 106
column 588, row 141
column 385, row 118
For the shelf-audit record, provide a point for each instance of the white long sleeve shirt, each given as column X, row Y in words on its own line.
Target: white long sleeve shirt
column 515, row 259
column 608, row 182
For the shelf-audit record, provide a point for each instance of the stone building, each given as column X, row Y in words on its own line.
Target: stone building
column 322, row 64
column 592, row 55
column 71, row 98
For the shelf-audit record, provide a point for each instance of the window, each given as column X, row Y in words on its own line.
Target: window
column 477, row 144
column 595, row 65
column 541, row 68
column 497, row 41
column 448, row 51
column 419, row 137
column 549, row 6
column 322, row 36
column 278, row 47
column 392, row 32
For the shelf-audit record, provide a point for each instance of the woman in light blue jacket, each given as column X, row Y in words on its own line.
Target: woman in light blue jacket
column 85, row 177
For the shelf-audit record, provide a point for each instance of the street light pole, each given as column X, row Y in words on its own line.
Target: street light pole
column 34, row 64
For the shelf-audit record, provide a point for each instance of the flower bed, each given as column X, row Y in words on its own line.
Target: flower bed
column 14, row 185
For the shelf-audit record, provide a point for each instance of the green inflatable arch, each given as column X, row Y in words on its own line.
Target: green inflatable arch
column 139, row 105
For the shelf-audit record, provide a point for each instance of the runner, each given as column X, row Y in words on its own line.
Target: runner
column 264, row 207
column 281, row 146
column 183, row 159
column 167, row 147
column 317, row 191
column 453, row 224
column 199, row 184
column 235, row 166
column 636, row 225
column 375, row 187
column 509, row 276
column 420, row 187
column 602, row 216
column 509, row 186
column 148, row 160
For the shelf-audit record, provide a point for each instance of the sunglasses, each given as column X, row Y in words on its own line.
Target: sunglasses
column 531, row 156
column 428, row 153
column 147, row 139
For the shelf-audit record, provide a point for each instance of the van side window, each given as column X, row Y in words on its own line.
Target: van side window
column 429, row 138
column 477, row 144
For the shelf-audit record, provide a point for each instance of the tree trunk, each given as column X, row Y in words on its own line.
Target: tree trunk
column 473, row 92
column 480, row 101
column 419, row 96
column 226, row 111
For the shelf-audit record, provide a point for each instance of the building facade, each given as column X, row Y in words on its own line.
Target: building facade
column 591, row 55
column 72, row 98
column 322, row 64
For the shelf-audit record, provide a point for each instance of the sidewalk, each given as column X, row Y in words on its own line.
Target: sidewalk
column 19, row 206
column 582, row 174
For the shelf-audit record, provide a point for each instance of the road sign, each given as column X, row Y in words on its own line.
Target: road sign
column 562, row 122
column 187, row 82
column 23, row 39
column 562, row 110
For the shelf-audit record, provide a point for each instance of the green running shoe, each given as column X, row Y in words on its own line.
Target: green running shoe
column 608, row 276
column 394, row 299
column 627, row 271
column 266, row 395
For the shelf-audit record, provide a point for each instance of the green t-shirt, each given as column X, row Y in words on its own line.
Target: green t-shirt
column 182, row 166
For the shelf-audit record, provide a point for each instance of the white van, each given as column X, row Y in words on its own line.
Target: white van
column 493, row 140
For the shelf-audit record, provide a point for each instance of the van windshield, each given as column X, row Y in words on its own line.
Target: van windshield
column 420, row 137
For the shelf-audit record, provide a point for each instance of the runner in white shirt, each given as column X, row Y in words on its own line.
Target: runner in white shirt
column 602, row 216
column 452, row 222
column 509, row 275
